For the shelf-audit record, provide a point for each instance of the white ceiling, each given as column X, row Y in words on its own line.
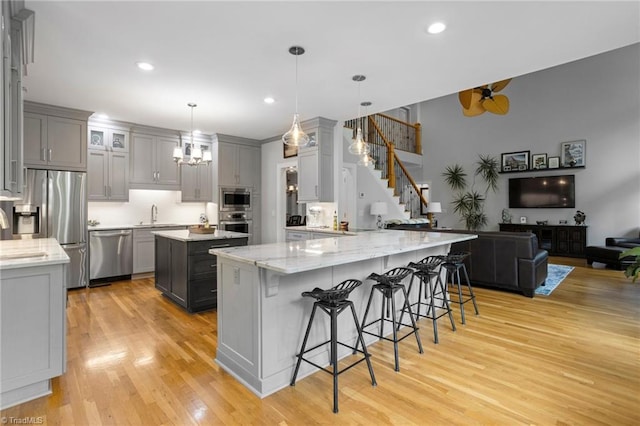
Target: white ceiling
column 228, row 56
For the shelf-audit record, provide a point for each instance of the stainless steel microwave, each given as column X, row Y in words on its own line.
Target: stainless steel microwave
column 235, row 199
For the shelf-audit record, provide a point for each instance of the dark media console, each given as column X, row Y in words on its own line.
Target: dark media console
column 558, row 240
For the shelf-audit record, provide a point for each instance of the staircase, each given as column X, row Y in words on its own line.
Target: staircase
column 394, row 146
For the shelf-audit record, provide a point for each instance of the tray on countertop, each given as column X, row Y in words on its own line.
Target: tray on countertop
column 199, row 229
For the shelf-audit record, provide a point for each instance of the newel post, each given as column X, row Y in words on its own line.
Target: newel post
column 418, row 128
column 390, row 167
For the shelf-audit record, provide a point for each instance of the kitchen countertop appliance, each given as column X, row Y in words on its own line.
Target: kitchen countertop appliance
column 55, row 206
column 236, row 221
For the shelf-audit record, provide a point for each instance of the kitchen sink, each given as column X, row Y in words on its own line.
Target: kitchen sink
column 22, row 255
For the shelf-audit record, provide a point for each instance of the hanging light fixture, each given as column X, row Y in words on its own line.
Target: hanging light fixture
column 197, row 156
column 358, row 145
column 295, row 136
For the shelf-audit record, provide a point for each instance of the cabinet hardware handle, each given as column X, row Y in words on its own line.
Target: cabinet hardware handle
column 50, row 151
column 24, row 177
column 158, row 175
column 106, row 194
column 43, row 154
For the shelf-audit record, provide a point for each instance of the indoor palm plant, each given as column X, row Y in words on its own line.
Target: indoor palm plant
column 634, row 269
column 468, row 202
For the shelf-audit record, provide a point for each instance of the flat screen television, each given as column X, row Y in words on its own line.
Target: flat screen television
column 542, row 192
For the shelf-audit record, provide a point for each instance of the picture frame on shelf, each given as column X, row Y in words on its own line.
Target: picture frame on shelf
column 539, row 161
column 573, row 153
column 515, row 160
column 289, row 151
column 553, row 162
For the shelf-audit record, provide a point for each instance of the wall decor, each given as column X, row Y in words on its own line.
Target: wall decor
column 553, row 162
column 515, row 160
column 539, row 161
column 289, row 150
column 573, row 153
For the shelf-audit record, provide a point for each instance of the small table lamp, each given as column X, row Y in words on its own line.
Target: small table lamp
column 379, row 208
column 433, row 207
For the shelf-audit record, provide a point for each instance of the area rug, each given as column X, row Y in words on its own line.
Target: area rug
column 555, row 275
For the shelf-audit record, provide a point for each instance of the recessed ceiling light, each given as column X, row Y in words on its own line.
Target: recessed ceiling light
column 103, row 116
column 197, row 132
column 436, row 28
column 269, row 100
column 145, row 66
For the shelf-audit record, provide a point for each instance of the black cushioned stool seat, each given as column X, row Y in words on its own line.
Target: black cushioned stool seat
column 333, row 302
column 426, row 270
column 388, row 284
column 453, row 263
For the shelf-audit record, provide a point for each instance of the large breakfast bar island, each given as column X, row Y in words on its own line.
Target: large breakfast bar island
column 262, row 316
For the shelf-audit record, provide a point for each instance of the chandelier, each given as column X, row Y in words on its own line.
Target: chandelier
column 197, row 157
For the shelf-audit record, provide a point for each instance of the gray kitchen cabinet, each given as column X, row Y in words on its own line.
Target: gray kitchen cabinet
column 238, row 164
column 106, row 138
column 107, row 176
column 152, row 165
column 315, row 163
column 186, row 273
column 55, row 137
column 144, row 248
column 108, row 164
column 196, row 183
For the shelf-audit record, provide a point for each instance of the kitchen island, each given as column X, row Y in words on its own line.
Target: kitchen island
column 262, row 315
column 32, row 318
column 185, row 272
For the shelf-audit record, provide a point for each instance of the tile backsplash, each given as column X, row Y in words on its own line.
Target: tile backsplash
column 138, row 209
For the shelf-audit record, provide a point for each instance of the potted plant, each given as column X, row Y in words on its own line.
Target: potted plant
column 468, row 202
column 634, row 269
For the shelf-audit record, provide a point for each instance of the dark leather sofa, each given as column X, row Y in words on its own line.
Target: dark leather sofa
column 610, row 252
column 504, row 260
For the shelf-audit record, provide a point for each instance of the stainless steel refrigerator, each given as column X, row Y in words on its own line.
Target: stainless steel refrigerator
column 55, row 206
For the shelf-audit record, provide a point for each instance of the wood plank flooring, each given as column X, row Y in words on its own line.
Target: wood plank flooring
column 570, row 358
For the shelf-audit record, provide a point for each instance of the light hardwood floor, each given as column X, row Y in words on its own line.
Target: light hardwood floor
column 570, row 358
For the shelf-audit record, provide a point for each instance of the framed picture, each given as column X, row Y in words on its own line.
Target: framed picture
column 515, row 161
column 289, row 151
column 539, row 161
column 425, row 193
column 573, row 154
column 553, row 162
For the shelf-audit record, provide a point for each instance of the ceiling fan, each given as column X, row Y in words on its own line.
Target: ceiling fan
column 480, row 99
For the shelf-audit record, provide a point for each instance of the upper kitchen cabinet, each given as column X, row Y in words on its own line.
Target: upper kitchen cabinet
column 55, row 137
column 152, row 165
column 106, row 138
column 315, row 162
column 238, row 162
column 16, row 51
column 196, row 181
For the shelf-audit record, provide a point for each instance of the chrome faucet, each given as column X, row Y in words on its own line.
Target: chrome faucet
column 154, row 213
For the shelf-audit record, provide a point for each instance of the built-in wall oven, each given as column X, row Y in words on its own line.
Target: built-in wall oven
column 236, row 221
column 235, row 199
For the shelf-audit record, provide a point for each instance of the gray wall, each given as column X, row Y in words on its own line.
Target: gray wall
column 596, row 99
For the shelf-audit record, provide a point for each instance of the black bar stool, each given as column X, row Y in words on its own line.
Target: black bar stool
column 333, row 302
column 426, row 270
column 388, row 284
column 453, row 263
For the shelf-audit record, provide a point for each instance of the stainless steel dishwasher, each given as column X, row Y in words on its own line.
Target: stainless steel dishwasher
column 110, row 255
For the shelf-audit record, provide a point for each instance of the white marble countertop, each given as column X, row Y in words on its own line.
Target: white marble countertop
column 185, row 235
column 28, row 253
column 136, row 226
column 326, row 230
column 299, row 256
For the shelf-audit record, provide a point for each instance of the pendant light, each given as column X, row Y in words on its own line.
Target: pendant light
column 295, row 136
column 358, row 145
column 366, row 159
column 197, row 156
